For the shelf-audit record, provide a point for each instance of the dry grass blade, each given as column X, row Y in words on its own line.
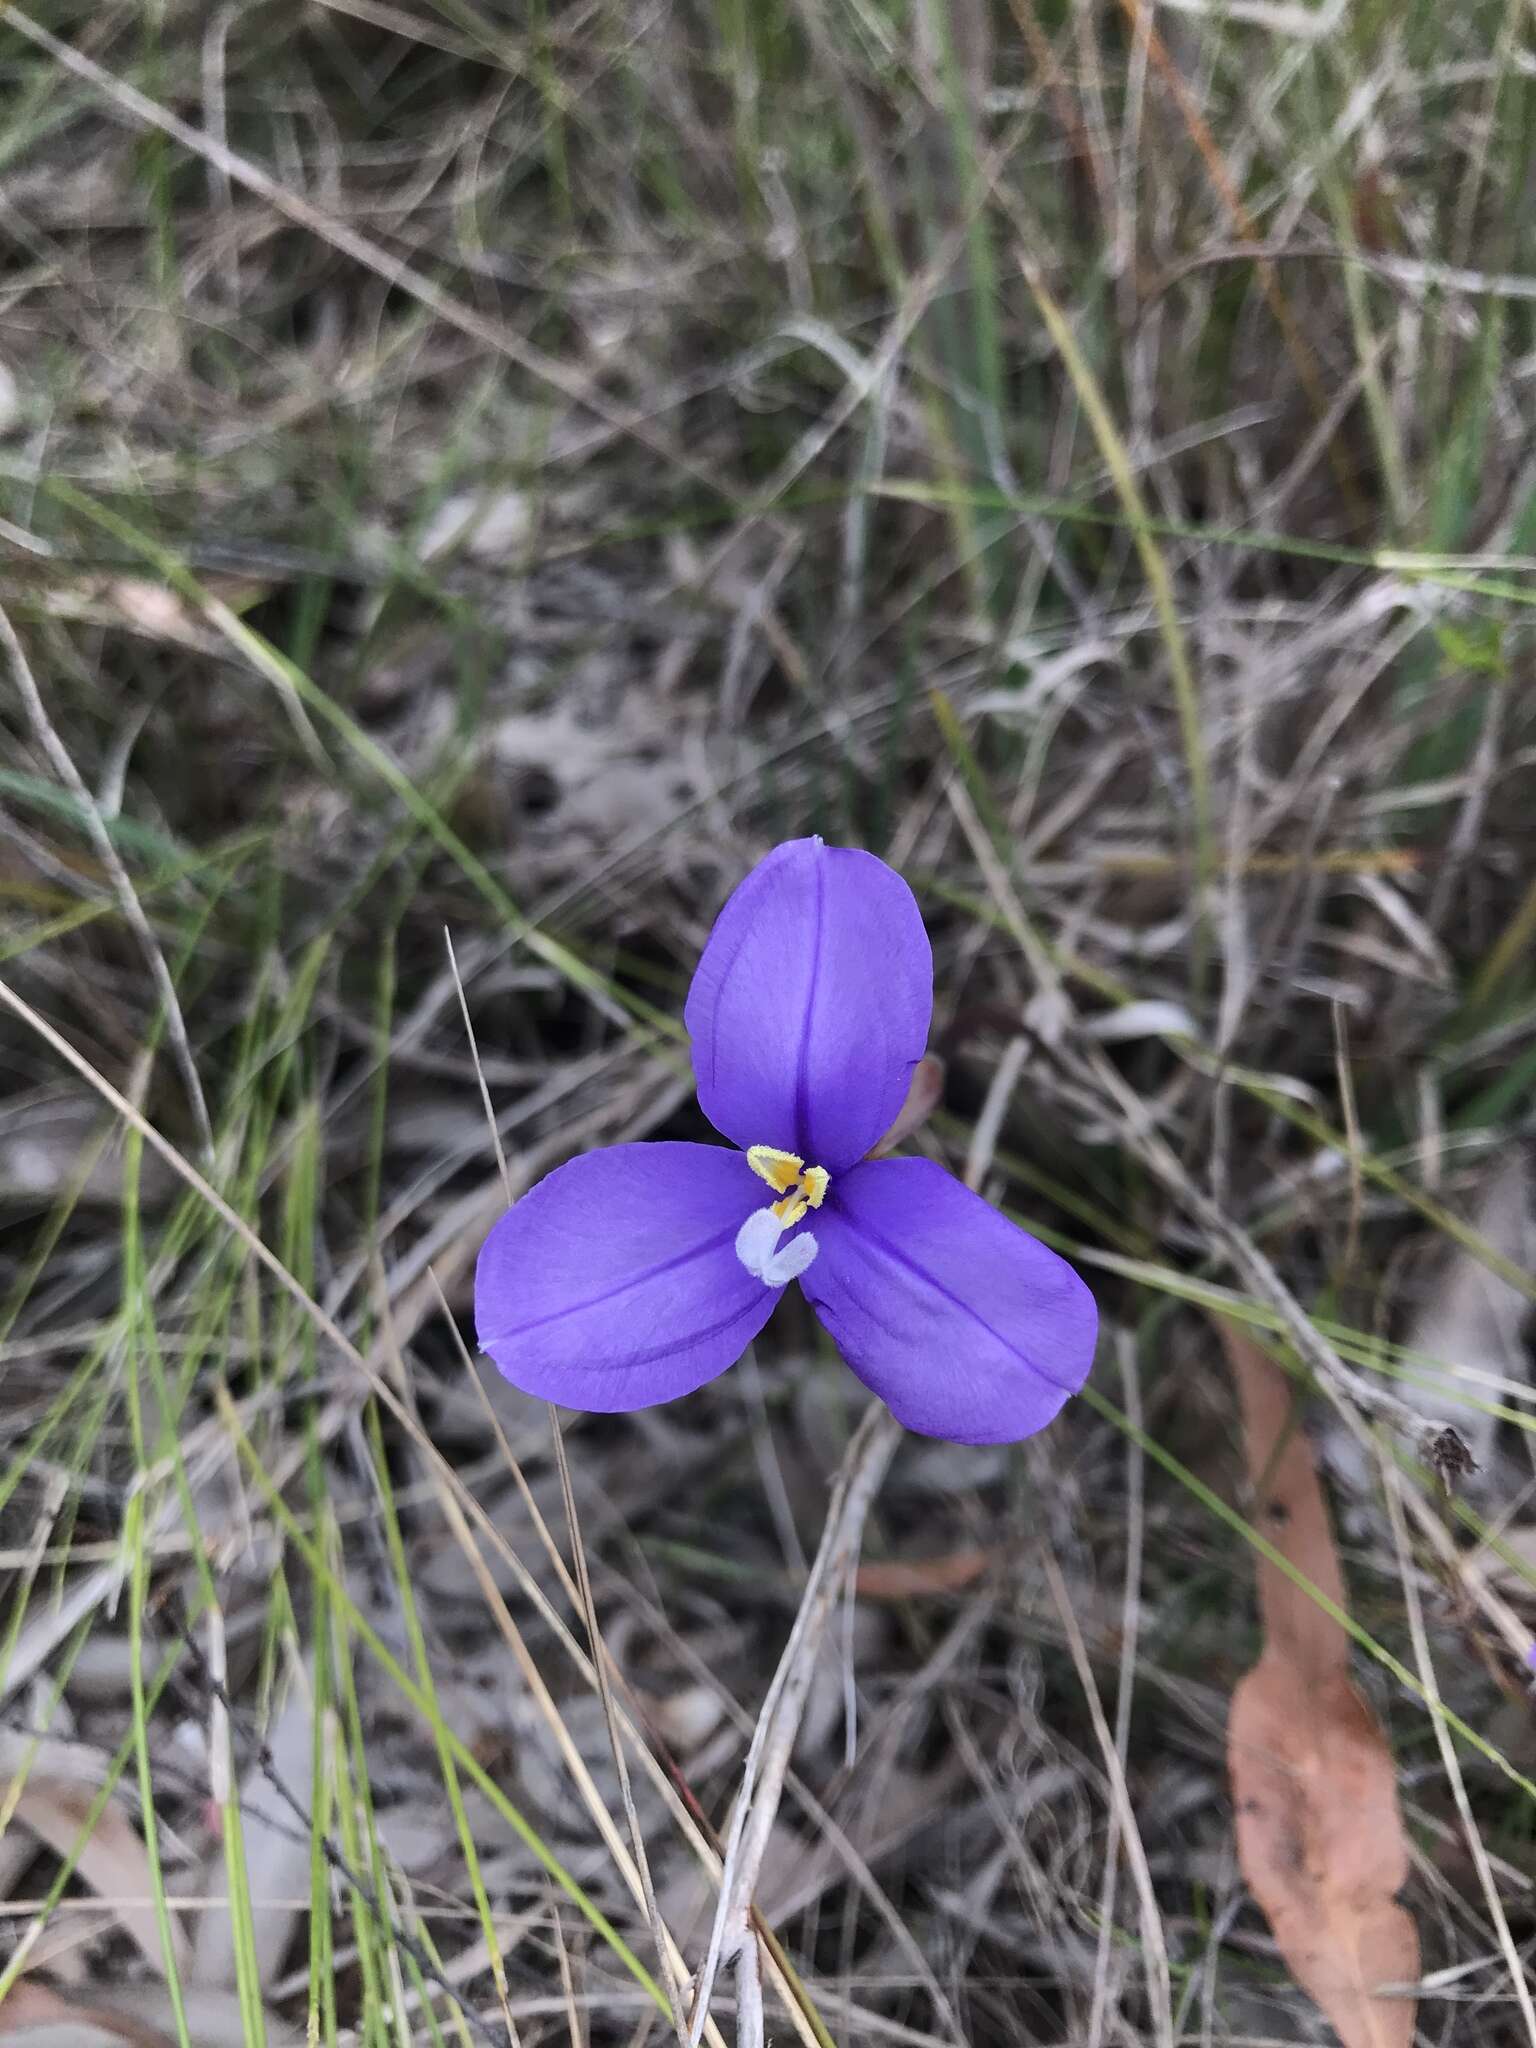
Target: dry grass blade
column 1319, row 1834
column 1154, row 1940
column 128, row 902
column 615, row 1739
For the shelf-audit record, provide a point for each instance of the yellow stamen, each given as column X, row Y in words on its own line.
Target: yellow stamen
column 800, row 1187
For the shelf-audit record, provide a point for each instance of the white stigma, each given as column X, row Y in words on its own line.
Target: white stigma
column 757, row 1248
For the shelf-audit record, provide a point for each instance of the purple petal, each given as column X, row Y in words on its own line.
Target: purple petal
column 965, row 1327
column 615, row 1283
column 810, row 1005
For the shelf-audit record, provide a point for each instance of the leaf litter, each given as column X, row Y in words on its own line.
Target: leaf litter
column 620, row 675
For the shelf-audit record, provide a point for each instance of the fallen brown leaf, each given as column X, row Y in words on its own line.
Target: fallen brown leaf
column 33, row 2016
column 54, row 1804
column 907, row 1578
column 1319, row 1835
column 134, row 2016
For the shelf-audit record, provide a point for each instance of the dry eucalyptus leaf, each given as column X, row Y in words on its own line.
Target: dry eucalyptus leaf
column 28, row 2007
column 71, row 2032
column 1319, row 1835
column 113, row 1862
column 33, row 2016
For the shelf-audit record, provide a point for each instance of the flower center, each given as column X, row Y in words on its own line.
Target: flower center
column 799, row 1186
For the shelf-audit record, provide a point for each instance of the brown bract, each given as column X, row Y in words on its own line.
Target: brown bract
column 924, row 1092
column 1319, row 1835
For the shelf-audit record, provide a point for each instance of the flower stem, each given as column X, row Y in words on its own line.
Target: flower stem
column 858, row 1480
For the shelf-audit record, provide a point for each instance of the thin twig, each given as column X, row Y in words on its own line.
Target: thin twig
column 474, row 1054
column 1130, row 1631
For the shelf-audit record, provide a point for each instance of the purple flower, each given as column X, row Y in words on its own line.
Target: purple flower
column 631, row 1276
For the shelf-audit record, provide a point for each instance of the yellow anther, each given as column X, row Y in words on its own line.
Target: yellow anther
column 781, row 1170
column 800, row 1187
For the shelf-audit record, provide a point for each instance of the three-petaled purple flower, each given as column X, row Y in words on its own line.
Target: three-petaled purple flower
column 631, row 1276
